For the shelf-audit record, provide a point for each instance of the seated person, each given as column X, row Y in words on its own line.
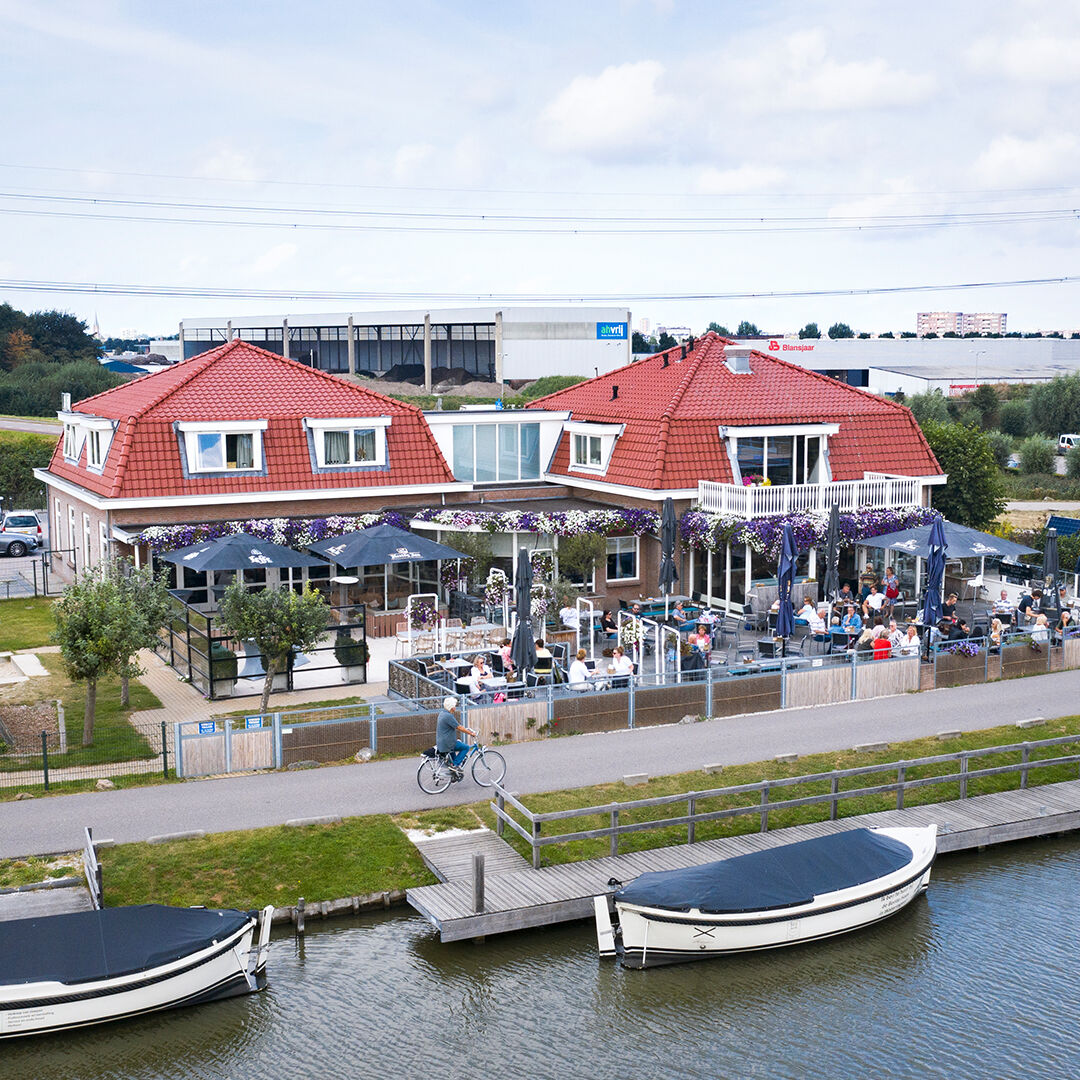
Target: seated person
column 1040, row 633
column 910, row 645
column 867, row 578
column 680, row 617
column 446, row 733
column 844, row 597
column 1029, row 607
column 852, row 622
column 864, row 643
column 881, row 644
column 608, row 626
column 948, row 609
column 809, row 613
column 579, row 674
column 873, row 603
column 544, row 660
column 896, row 636
column 1003, row 607
column 701, row 640
column 623, row 666
column 997, row 631
column 635, row 610
column 481, row 675
column 960, row 631
column 570, row 617
column 507, row 659
column 1065, row 626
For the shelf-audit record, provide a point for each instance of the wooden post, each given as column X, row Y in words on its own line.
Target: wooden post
column 963, row 776
column 478, row 881
column 500, row 804
column 1025, row 756
column 614, row 825
column 300, row 917
column 835, row 788
column 536, row 844
column 691, row 810
column 901, row 774
column 765, row 808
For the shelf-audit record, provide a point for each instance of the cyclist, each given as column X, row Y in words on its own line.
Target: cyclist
column 446, row 731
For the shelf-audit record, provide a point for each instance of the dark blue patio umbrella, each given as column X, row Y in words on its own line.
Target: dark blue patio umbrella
column 668, row 572
column 785, row 576
column 381, row 545
column 831, row 582
column 935, row 575
column 1051, row 569
column 238, row 551
column 523, row 647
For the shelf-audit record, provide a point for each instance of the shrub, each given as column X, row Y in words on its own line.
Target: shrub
column 1037, row 455
column 929, row 406
column 1001, row 445
column 348, row 652
column 1014, row 418
column 1072, row 463
column 223, row 661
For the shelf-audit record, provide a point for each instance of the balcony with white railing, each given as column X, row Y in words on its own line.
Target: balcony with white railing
column 749, row 502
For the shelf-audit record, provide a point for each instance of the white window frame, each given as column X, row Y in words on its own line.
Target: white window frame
column 71, row 442
column 319, row 426
column 607, row 435
column 86, row 534
column 103, row 539
column 731, row 435
column 73, row 542
column 192, row 430
column 56, row 536
column 618, row 540
column 95, row 459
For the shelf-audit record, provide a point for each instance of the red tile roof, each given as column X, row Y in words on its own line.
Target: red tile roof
column 672, row 409
column 239, row 381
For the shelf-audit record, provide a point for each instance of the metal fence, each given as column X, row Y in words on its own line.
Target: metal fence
column 36, row 574
column 202, row 651
column 56, row 762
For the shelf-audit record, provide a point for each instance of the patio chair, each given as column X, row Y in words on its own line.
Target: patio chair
column 477, row 620
column 473, row 639
column 401, row 635
column 424, row 643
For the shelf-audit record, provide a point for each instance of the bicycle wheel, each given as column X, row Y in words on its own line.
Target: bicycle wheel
column 488, row 767
column 432, row 776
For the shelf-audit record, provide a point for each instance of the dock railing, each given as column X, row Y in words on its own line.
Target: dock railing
column 532, row 828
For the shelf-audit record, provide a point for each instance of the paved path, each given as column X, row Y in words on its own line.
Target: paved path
column 1051, row 506
column 17, row 423
column 39, row 826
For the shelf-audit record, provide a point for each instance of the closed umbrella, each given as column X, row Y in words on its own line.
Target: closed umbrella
column 831, row 582
column 785, row 576
column 1051, row 568
column 522, row 647
column 668, row 573
column 935, row 575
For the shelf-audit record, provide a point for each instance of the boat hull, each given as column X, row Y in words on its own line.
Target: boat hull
column 651, row 937
column 228, row 968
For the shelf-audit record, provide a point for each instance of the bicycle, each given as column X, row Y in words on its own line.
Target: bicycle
column 436, row 773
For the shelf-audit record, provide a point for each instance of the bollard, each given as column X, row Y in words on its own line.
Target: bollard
column 45, row 758
column 164, row 752
column 300, row 917
column 478, row 882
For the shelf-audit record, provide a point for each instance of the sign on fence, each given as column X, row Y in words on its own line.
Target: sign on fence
column 253, row 722
column 207, row 727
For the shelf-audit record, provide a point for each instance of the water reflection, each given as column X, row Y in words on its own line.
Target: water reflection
column 976, row 978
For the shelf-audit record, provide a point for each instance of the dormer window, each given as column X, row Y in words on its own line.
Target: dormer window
column 223, row 446
column 591, row 445
column 71, row 446
column 782, row 455
column 95, row 454
column 348, row 443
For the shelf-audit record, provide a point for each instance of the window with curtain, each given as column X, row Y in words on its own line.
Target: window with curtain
column 336, row 446
column 217, row 451
column 350, row 446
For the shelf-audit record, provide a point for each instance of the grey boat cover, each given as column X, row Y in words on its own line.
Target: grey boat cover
column 775, row 878
column 92, row 945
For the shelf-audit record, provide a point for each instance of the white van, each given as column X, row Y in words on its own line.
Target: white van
column 1067, row 442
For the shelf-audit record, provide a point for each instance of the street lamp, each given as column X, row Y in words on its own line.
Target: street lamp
column 977, row 354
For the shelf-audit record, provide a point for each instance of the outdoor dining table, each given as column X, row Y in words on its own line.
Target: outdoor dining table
column 454, row 662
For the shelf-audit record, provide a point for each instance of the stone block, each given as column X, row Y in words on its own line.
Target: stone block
column 329, row 819
column 715, row 768
column 635, row 779
column 165, row 838
column 945, row 736
column 786, row 759
column 1033, row 721
column 870, row 747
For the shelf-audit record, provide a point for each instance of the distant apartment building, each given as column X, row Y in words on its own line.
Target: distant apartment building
column 679, row 333
column 959, row 322
column 643, row 326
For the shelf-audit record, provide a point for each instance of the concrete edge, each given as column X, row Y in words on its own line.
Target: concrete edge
column 52, row 883
column 348, row 905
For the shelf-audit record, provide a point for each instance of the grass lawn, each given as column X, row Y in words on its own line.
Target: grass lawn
column 266, row 866
column 34, row 868
column 330, row 703
column 26, row 623
column 114, row 737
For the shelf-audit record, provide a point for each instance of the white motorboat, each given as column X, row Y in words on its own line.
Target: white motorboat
column 68, row 971
column 780, row 896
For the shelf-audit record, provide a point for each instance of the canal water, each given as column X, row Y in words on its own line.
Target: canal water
column 979, row 978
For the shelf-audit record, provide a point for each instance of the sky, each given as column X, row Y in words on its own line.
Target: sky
column 658, row 153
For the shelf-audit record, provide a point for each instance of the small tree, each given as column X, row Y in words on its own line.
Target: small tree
column 747, row 329
column 1072, row 463
column 1055, row 406
column 810, row 330
column 974, row 494
column 94, row 631
column 929, row 406
column 723, row 331
column 840, row 330
column 1037, row 455
column 1014, row 418
column 477, row 547
column 279, row 621
column 1002, row 447
column 147, row 599
column 986, row 400
column 666, row 341
column 578, row 555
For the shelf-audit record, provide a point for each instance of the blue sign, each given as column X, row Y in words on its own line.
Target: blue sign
column 611, row 331
column 207, row 727
column 252, row 722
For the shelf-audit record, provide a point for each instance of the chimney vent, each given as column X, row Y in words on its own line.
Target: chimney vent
column 690, row 345
column 665, row 363
column 65, row 402
column 682, row 352
column 737, row 358
column 614, row 391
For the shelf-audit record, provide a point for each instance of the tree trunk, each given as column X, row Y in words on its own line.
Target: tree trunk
column 125, row 700
column 88, row 716
column 271, row 671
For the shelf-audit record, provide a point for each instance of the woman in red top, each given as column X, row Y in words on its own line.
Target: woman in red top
column 882, row 646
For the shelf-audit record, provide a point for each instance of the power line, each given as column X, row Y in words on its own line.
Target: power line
column 199, row 292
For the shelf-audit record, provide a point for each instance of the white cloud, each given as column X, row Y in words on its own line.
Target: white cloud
column 274, row 258
column 744, row 178
column 800, row 75
column 1035, row 58
column 1013, row 162
column 608, row 114
column 410, row 160
column 227, row 163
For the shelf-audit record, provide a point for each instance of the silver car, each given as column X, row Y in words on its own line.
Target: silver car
column 17, row 544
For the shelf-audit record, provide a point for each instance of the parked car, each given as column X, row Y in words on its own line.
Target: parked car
column 17, row 544
column 1067, row 442
column 22, row 521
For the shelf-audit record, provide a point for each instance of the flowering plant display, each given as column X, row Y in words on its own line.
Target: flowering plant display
column 963, row 648
column 711, row 532
column 756, row 480
column 292, row 532
column 496, row 587
column 455, row 571
column 631, row 633
column 538, row 604
column 614, row 522
column 543, row 565
column 422, row 615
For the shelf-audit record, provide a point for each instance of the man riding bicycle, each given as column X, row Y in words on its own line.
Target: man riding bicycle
column 446, row 731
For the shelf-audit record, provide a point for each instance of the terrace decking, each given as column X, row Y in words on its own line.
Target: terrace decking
column 524, row 898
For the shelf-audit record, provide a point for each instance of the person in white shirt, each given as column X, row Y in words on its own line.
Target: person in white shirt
column 910, row 645
column 578, row 678
column 896, row 636
column 810, row 614
column 481, row 675
column 623, row 665
column 570, row 616
column 874, row 602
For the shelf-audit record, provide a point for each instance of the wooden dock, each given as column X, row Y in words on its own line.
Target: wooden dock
column 522, row 898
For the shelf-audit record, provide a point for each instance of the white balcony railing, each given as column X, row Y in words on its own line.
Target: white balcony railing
column 754, row 502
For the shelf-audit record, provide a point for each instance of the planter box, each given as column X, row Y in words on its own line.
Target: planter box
column 224, row 688
column 353, row 674
column 1019, row 660
column 956, row 669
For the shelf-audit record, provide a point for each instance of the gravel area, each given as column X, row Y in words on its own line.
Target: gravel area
column 21, row 726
